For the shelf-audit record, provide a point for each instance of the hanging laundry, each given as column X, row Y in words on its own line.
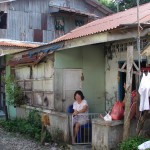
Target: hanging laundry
column 144, row 90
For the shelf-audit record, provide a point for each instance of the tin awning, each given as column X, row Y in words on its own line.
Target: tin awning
column 55, row 9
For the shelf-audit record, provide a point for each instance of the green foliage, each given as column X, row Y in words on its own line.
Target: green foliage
column 14, row 92
column 34, row 118
column 132, row 143
column 110, row 4
column 123, row 4
column 126, row 4
column 31, row 127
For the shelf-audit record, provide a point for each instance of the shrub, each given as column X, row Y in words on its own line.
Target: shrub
column 30, row 127
column 132, row 143
column 14, row 92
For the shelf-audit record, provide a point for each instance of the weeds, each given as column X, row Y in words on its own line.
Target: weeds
column 30, row 127
column 132, row 143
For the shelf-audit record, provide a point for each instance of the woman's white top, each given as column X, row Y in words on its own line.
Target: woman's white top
column 144, row 90
column 80, row 106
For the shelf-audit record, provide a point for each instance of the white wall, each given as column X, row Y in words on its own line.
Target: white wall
column 112, row 77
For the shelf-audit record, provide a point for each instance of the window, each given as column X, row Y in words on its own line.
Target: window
column 79, row 22
column 59, row 26
column 3, row 20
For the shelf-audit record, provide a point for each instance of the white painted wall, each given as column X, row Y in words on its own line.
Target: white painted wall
column 112, row 77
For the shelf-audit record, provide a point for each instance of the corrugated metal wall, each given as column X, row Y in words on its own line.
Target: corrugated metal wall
column 37, row 83
column 26, row 16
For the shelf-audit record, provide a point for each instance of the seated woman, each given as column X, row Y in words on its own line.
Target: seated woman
column 80, row 107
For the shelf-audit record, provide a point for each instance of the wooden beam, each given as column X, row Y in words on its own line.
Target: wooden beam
column 134, row 72
column 124, row 65
column 136, row 67
column 126, row 129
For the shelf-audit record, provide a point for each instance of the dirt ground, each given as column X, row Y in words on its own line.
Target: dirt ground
column 12, row 141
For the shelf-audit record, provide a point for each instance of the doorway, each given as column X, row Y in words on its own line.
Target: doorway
column 122, row 79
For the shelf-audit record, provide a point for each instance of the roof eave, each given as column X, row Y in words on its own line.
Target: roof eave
column 102, row 38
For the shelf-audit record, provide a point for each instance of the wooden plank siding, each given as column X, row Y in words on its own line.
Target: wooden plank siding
column 26, row 16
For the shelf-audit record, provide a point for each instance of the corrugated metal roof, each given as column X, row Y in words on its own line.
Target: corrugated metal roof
column 27, row 60
column 108, row 23
column 14, row 43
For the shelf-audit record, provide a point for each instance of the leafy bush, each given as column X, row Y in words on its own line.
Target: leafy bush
column 30, row 127
column 132, row 143
column 14, row 92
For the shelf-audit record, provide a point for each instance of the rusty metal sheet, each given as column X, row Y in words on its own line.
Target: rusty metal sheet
column 43, row 21
column 38, row 35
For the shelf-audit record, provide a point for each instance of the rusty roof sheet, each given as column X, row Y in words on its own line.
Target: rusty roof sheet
column 77, row 12
column 14, row 43
column 109, row 23
column 27, row 60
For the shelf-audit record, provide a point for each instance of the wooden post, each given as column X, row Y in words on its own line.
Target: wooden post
column 129, row 75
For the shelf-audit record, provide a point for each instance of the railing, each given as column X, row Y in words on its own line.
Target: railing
column 84, row 134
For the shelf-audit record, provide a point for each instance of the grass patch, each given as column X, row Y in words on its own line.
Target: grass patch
column 132, row 143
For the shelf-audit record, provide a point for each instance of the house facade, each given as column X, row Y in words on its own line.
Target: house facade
column 43, row 21
column 88, row 58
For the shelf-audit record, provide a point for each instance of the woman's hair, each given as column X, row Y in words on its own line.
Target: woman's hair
column 79, row 93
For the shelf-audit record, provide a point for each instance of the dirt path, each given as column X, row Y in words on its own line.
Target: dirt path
column 11, row 141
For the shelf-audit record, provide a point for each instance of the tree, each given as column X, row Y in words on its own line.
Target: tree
column 122, row 4
column 126, row 4
column 110, row 4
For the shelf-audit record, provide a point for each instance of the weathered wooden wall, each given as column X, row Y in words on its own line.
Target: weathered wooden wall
column 37, row 83
column 30, row 20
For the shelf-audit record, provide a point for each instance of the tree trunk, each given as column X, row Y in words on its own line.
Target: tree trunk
column 129, row 75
